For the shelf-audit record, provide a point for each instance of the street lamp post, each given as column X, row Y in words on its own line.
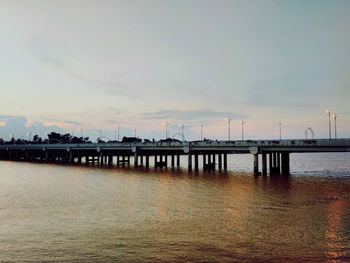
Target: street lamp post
column 329, row 123
column 118, row 133
column 182, row 131
column 280, row 126
column 229, row 127
column 201, row 132
column 242, row 123
column 335, row 125
column 100, row 133
column 167, row 124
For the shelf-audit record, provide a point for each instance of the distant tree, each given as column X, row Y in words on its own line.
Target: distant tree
column 54, row 138
column 78, row 139
column 131, row 139
column 2, row 141
column 19, row 141
column 169, row 140
column 36, row 138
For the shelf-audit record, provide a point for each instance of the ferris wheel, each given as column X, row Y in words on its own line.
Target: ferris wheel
column 309, row 133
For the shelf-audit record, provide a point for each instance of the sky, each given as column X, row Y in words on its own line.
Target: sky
column 83, row 66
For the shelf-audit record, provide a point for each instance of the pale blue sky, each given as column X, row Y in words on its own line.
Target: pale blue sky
column 99, row 64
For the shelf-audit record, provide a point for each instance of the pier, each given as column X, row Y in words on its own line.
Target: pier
column 270, row 156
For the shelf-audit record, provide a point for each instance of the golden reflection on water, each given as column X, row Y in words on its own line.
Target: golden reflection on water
column 93, row 214
column 334, row 229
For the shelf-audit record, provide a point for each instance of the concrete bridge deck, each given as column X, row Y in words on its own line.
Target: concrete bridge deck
column 214, row 153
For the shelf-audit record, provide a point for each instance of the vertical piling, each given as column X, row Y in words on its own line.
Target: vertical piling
column 278, row 163
column 256, row 164
column 285, row 163
column 189, row 162
column 147, row 161
column 220, row 161
column 71, row 157
column 225, row 161
column 270, row 163
column 110, row 159
column 213, row 167
column 196, row 162
column 172, row 160
column 136, row 161
column 264, row 164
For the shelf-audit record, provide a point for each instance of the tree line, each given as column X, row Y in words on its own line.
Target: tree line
column 52, row 138
column 57, row 138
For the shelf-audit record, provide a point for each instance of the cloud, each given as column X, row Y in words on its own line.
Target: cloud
column 6, row 117
column 69, row 63
column 191, row 114
column 62, row 121
column 18, row 127
column 278, row 100
column 112, row 109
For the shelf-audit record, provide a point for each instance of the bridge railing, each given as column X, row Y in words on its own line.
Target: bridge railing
column 246, row 143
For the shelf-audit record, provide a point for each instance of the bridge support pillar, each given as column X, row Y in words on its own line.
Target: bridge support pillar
column 101, row 158
column 196, row 162
column 79, row 156
column 141, row 160
column 225, row 161
column 155, row 160
column 166, row 160
column 71, row 157
column 213, row 161
column 274, row 163
column 264, row 164
column 278, row 163
column 110, row 159
column 285, row 164
column 178, row 160
column 147, row 161
column 256, row 164
column 189, row 162
column 220, row 162
column 172, row 160
column 136, row 159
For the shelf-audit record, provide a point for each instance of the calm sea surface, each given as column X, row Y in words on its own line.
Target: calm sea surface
column 84, row 214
